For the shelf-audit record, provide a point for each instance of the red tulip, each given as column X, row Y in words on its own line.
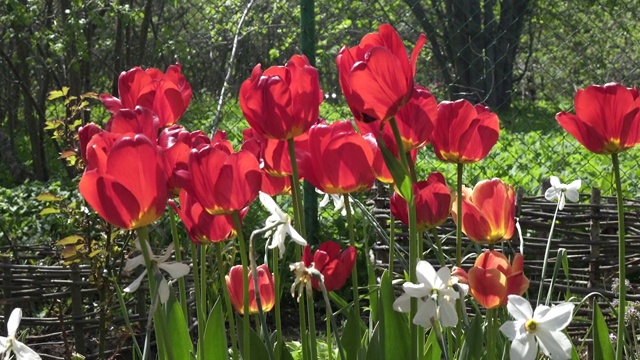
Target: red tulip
column 607, row 119
column 85, row 134
column 332, row 262
column 221, row 181
column 124, row 181
column 488, row 211
column 338, row 160
column 432, row 199
column 283, row 101
column 464, row 133
column 137, row 121
column 492, row 279
column 202, row 227
column 376, row 76
column 166, row 94
column 266, row 289
column 176, row 144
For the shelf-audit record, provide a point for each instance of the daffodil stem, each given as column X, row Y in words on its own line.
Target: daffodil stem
column 246, row 354
column 227, row 301
column 546, row 254
column 178, row 251
column 352, row 242
column 313, row 343
column 156, row 308
column 276, row 284
column 256, row 286
column 325, row 295
column 200, row 315
column 459, row 217
column 295, row 191
column 622, row 289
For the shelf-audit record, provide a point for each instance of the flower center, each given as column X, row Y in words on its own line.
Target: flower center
column 531, row 325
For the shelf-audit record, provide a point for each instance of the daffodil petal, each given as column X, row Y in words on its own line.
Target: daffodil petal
column 136, row 283
column 14, row 322
column 167, row 254
column 519, row 308
column 448, row 314
column 572, row 195
column 524, row 348
column 558, row 317
column 416, row 290
column 268, row 202
column 426, row 312
column 23, row 352
column 176, row 270
column 164, row 291
column 510, row 329
column 133, row 263
column 402, row 303
column 550, row 193
column 555, row 182
column 561, row 202
column 4, row 344
column 554, row 344
column 295, row 236
column 426, row 273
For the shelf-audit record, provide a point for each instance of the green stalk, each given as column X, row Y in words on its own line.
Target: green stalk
column 491, row 334
column 125, row 316
column 176, row 246
column 246, row 354
column 622, row 289
column 438, row 244
column 203, row 278
column 459, row 217
column 313, row 343
column 261, row 317
column 276, row 285
column 329, row 347
column 304, row 338
column 199, row 310
column 392, row 242
column 325, row 295
column 298, row 211
column 227, row 301
column 352, row 242
column 546, row 253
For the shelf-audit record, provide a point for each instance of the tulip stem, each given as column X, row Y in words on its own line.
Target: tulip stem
column 313, row 343
column 327, row 302
column 196, row 283
column 546, row 255
column 622, row 289
column 178, row 251
column 227, row 301
column 352, row 242
column 246, row 354
column 295, row 191
column 438, row 244
column 203, row 278
column 491, row 334
column 276, row 285
column 459, row 217
column 329, row 346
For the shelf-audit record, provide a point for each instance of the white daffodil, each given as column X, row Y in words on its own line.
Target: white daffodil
column 544, row 327
column 436, row 296
column 11, row 344
column 338, row 201
column 282, row 224
column 175, row 269
column 562, row 191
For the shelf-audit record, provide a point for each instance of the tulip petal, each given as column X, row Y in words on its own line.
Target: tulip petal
column 488, row 286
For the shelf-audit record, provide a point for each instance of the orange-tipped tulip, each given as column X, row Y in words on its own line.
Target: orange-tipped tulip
column 124, row 181
column 492, row 279
column 607, row 119
column 202, row 227
column 338, row 160
column 166, row 94
column 464, row 133
column 332, row 262
column 283, row 101
column 221, row 181
column 488, row 211
column 266, row 289
column 432, row 199
column 376, row 76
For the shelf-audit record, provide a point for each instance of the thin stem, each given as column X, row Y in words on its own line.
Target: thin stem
column 622, row 289
column 298, row 210
column 392, row 242
column 546, row 253
column 246, row 354
column 459, row 217
column 203, row 278
column 196, row 282
column 491, row 334
column 352, row 242
column 329, row 347
column 125, row 316
column 276, row 284
column 313, row 343
column 177, row 246
column 327, row 302
column 256, row 287
column 227, row 301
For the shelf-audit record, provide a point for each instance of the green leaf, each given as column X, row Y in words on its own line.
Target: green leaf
column 473, row 340
column 215, row 337
column 256, row 346
column 49, row 211
column 48, row 197
column 374, row 350
column 399, row 173
column 69, row 240
column 282, row 352
column 179, row 338
column 602, row 348
column 432, row 349
column 395, row 327
column 54, row 94
column 351, row 335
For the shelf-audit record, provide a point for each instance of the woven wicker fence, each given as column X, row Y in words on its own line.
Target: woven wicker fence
column 587, row 230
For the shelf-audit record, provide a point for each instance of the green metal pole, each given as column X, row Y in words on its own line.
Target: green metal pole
column 308, row 48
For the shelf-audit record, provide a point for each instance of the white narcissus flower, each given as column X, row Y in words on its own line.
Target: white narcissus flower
column 562, row 191
column 282, row 224
column 436, row 296
column 11, row 344
column 544, row 327
column 175, row 269
column 338, row 201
